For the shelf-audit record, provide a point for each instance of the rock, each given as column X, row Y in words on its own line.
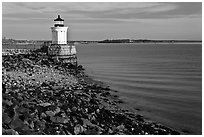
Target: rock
column 45, row 104
column 78, row 129
column 7, row 102
column 49, row 113
column 97, row 111
column 5, row 118
column 110, row 131
column 17, row 123
column 57, row 119
column 94, row 130
column 121, row 127
column 9, row 132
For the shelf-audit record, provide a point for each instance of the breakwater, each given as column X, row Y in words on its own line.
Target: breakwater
column 44, row 97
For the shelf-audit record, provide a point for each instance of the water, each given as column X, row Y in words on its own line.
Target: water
column 163, row 80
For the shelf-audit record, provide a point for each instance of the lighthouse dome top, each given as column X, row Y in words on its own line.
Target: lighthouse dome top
column 59, row 22
column 58, row 18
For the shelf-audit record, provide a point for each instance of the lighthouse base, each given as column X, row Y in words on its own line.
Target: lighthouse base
column 72, row 59
column 65, row 53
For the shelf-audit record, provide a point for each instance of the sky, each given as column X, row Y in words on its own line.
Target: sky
column 104, row 20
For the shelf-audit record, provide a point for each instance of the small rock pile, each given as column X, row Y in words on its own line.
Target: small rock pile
column 47, row 98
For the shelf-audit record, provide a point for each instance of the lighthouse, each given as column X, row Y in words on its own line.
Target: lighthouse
column 60, row 49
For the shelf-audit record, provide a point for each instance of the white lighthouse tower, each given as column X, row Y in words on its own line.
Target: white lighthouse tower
column 59, row 32
column 60, row 49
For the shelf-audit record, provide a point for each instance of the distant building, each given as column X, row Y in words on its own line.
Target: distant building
column 60, row 49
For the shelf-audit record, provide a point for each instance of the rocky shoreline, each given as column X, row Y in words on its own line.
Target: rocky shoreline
column 44, row 97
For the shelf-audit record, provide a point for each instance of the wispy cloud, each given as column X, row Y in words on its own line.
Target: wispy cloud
column 101, row 10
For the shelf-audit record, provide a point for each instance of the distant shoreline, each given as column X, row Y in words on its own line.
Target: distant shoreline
column 146, row 43
column 7, row 41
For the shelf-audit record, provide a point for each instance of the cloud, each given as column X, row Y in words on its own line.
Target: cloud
column 104, row 18
column 156, row 10
column 108, row 10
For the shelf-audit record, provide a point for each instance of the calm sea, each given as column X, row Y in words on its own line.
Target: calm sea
column 163, row 82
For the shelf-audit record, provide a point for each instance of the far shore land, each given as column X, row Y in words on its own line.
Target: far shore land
column 44, row 97
column 6, row 41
